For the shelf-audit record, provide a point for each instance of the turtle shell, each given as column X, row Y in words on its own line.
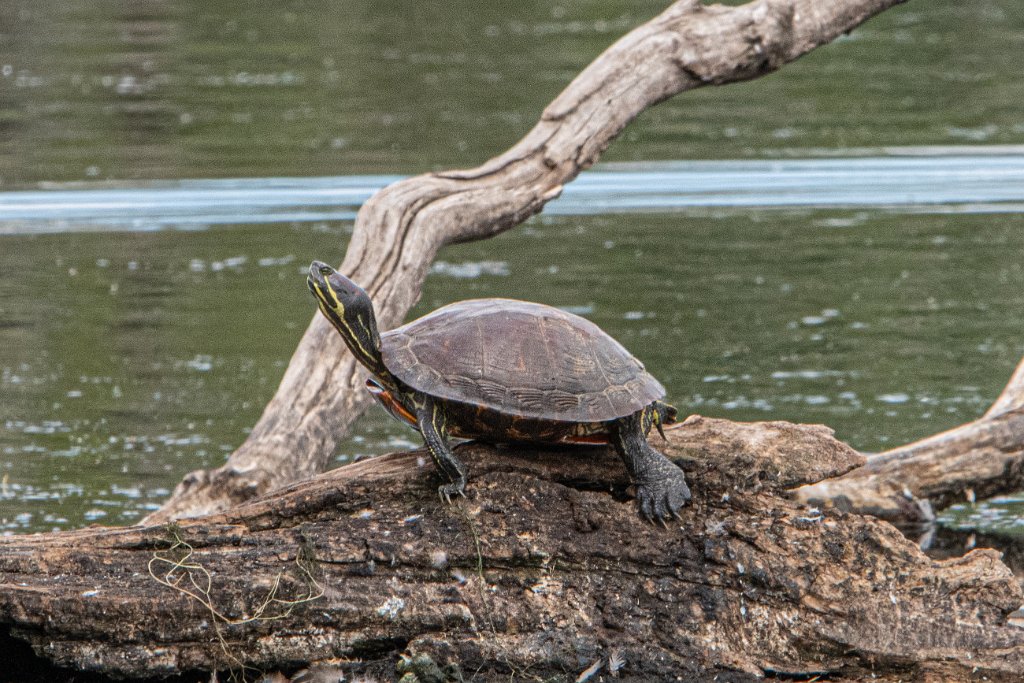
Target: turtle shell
column 521, row 359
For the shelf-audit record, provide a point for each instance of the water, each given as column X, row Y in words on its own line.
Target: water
column 843, row 246
column 127, row 360
column 96, row 89
column 1001, row 516
column 979, row 180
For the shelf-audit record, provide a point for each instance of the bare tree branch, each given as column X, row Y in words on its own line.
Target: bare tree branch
column 976, row 460
column 401, row 228
column 1012, row 397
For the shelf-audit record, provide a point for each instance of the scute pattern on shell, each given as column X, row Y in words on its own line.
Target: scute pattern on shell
column 519, row 358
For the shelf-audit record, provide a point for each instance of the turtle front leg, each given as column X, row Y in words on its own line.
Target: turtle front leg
column 660, row 486
column 432, row 423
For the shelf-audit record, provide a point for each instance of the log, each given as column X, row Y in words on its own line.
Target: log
column 401, row 228
column 545, row 571
column 971, row 462
column 1012, row 396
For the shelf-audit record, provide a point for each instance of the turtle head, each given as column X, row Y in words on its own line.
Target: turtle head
column 350, row 310
column 661, row 414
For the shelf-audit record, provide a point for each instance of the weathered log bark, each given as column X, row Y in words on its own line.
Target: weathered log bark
column 973, row 461
column 400, row 229
column 1012, row 397
column 543, row 571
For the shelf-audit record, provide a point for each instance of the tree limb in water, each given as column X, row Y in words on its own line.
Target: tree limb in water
column 400, row 229
column 970, row 462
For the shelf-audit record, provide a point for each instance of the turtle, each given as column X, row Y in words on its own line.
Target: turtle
column 509, row 371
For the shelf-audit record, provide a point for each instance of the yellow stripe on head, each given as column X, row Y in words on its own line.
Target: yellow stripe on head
column 336, row 314
column 327, row 297
column 350, row 310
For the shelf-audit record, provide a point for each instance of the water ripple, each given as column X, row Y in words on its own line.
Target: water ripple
column 939, row 180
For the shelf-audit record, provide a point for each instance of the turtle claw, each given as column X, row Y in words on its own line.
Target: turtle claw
column 644, row 502
column 660, row 500
column 446, row 491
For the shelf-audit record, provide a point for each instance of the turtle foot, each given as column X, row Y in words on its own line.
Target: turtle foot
column 457, row 488
column 660, row 499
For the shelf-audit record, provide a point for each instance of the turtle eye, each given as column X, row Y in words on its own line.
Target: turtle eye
column 325, row 270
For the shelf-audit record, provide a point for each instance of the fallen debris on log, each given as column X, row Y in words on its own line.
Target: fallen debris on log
column 544, row 570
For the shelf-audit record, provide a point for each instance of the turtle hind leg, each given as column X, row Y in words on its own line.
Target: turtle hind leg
column 661, row 488
column 431, row 421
